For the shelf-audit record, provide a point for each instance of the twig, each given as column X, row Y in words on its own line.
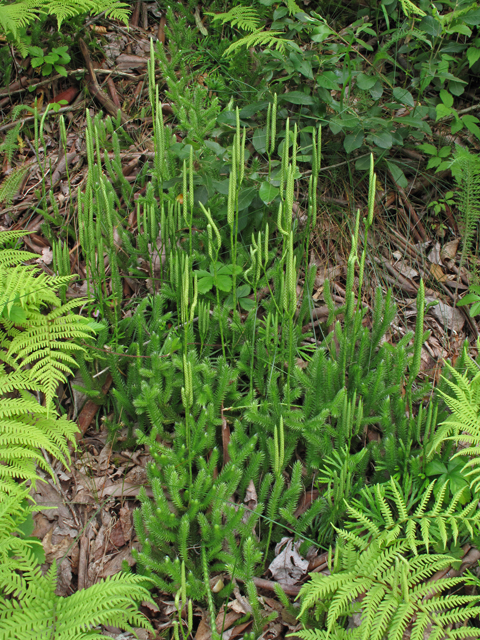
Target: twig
column 70, row 107
column 34, row 84
column 94, row 87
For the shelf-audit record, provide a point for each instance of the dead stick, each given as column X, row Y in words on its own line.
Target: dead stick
column 290, row 590
column 94, row 87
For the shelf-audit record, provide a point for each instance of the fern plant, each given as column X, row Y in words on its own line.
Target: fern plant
column 29, row 608
column 465, row 168
column 15, row 15
column 31, row 340
column 463, row 425
column 389, row 512
column 389, row 591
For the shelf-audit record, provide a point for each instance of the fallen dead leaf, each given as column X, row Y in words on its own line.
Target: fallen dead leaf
column 449, row 250
column 447, row 316
column 114, row 564
column 437, row 272
column 288, row 567
column 434, row 255
column 125, row 519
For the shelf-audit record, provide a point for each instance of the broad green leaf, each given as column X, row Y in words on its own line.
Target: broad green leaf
column 243, row 291
column 297, row 97
column 403, row 96
column 434, row 162
column 472, row 18
column 457, row 87
column 205, row 284
column 377, row 90
column 473, row 54
column 61, row 70
column 224, row 283
column 430, row 25
column 247, row 304
column 246, row 197
column 428, row 148
column 328, row 80
column 397, row 174
column 268, row 192
column 435, row 468
column 442, row 111
column 36, row 52
column 217, row 149
column 366, row 82
column 468, row 299
column 444, row 153
column 471, row 124
column 460, row 28
column 456, row 126
column 15, row 314
column 382, row 139
column 253, row 108
column 228, row 118
column 413, row 121
column 336, row 125
column 259, row 140
column 228, row 269
column 301, row 65
column 221, row 186
column 353, row 141
column 446, row 98
column 321, row 33
column 475, row 309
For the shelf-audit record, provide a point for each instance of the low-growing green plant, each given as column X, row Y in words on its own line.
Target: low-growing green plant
column 52, row 60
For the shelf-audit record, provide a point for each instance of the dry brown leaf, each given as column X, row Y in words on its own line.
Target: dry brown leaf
column 288, row 567
column 449, row 250
column 125, row 519
column 129, row 63
column 46, row 495
column 42, row 525
column 203, row 630
column 434, row 255
column 64, row 578
column 447, row 316
column 114, row 563
column 237, row 631
column 437, row 272
column 225, row 620
column 405, row 269
column 116, row 537
column 55, row 551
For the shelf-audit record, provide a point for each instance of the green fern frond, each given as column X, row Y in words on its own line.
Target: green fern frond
column 32, row 610
column 9, row 236
column 410, row 9
column 62, row 9
column 15, row 15
column 293, row 7
column 395, row 592
column 259, row 38
column 25, row 426
column 11, row 184
column 246, row 18
column 382, row 511
column 465, row 168
column 10, row 142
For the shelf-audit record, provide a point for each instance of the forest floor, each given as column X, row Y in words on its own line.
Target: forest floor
column 90, row 532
